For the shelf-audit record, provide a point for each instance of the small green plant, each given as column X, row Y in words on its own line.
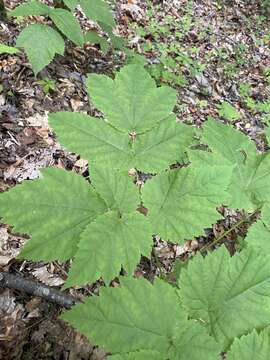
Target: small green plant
column 266, row 74
column 218, row 303
column 4, row 49
column 240, row 51
column 43, row 42
column 228, row 112
column 47, row 85
column 174, row 61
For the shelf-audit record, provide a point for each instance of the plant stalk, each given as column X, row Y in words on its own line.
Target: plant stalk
column 225, row 233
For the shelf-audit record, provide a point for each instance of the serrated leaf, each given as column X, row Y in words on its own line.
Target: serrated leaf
column 54, row 210
column 71, row 4
column 251, row 346
column 259, row 233
column 140, row 316
column 34, row 8
column 227, row 142
column 259, row 236
column 227, row 111
column 4, row 49
column 109, row 243
column 92, row 138
column 68, row 25
column 248, row 188
column 134, row 103
column 183, row 202
column 94, row 38
column 115, row 187
column 162, row 146
column 231, row 295
column 41, row 44
column 267, row 133
column 98, row 10
column 99, row 142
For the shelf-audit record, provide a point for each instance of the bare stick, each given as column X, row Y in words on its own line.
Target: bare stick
column 33, row 288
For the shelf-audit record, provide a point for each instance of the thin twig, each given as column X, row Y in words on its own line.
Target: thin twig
column 33, row 288
column 225, row 233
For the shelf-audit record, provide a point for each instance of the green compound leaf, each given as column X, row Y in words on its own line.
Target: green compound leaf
column 163, row 145
column 68, row 25
column 35, row 8
column 109, row 243
column 227, row 142
column 92, row 138
column 231, row 295
column 97, row 10
column 250, row 181
column 134, row 103
column 41, row 43
column 116, row 188
column 140, row 316
column 259, row 236
column 97, row 141
column 54, row 210
column 267, row 134
column 4, row 49
column 259, row 233
column 183, row 202
column 251, row 346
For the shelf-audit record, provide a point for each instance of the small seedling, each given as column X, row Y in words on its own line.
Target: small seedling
column 47, row 85
column 228, row 112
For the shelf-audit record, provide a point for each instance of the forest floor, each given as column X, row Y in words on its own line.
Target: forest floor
column 214, row 52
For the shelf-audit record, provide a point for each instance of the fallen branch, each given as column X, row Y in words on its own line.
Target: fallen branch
column 33, row 288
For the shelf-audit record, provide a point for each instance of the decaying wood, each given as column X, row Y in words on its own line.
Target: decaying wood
column 33, row 288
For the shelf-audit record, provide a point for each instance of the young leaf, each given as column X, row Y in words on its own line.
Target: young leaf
column 226, row 292
column 97, row 10
column 4, row 49
column 227, row 111
column 109, row 243
column 54, row 210
column 68, row 25
column 140, row 316
column 41, row 43
column 97, row 141
column 183, row 202
column 116, row 188
column 134, row 103
column 251, row 346
column 34, row 8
